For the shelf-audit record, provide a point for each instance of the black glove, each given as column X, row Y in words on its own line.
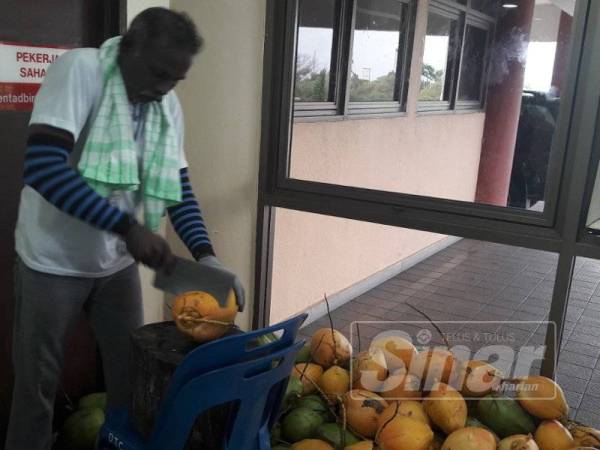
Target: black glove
column 212, row 262
column 149, row 248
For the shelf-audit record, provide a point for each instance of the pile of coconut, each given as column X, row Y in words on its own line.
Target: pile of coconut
column 395, row 397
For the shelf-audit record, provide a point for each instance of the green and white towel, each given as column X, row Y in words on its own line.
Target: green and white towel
column 109, row 160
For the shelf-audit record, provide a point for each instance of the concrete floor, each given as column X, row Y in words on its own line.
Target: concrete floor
column 478, row 281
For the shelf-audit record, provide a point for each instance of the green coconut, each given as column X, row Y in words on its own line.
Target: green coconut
column 276, row 433
column 91, row 401
column 316, row 403
column 504, row 416
column 300, row 423
column 333, row 432
column 266, row 339
column 303, row 354
column 81, row 428
column 293, row 391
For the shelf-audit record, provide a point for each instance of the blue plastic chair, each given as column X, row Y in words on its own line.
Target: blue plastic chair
column 232, row 369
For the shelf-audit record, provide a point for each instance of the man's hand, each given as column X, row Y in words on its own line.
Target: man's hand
column 238, row 289
column 149, row 248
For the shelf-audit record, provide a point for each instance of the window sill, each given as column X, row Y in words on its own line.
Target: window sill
column 351, row 116
column 449, row 112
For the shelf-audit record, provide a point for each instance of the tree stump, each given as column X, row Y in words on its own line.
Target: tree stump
column 157, row 350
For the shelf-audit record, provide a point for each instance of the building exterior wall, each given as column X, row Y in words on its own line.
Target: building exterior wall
column 316, row 255
column 435, row 155
column 423, row 154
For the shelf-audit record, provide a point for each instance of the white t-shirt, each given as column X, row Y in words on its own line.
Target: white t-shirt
column 47, row 239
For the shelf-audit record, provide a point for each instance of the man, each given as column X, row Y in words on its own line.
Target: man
column 105, row 140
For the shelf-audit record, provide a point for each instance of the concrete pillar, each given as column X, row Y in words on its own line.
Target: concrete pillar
column 504, row 104
column 561, row 60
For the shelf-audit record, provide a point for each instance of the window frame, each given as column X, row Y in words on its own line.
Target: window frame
column 476, row 104
column 406, row 38
column 466, row 16
column 281, row 79
column 342, row 66
column 453, row 61
column 588, row 242
column 329, row 107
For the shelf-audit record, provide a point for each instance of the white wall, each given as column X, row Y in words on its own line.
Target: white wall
column 136, row 6
column 221, row 100
column 546, row 19
column 153, row 299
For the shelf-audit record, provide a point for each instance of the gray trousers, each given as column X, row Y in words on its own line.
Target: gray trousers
column 46, row 311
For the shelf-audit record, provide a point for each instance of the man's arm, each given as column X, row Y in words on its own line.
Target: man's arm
column 186, row 218
column 48, row 172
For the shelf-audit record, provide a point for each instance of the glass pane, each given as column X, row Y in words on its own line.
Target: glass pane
column 375, row 50
column 496, row 153
column 489, row 7
column 592, row 222
column 316, row 22
column 579, row 363
column 593, row 218
column 435, row 58
column 489, row 301
column 472, row 64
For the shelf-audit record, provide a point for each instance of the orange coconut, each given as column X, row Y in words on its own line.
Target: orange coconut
column 199, row 315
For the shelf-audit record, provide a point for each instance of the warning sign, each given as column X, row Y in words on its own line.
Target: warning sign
column 22, row 69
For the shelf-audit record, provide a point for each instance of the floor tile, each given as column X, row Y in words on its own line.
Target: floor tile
column 477, row 280
column 578, row 359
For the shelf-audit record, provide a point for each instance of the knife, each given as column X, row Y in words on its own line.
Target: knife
column 190, row 275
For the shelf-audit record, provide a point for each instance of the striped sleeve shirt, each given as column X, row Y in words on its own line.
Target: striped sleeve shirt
column 187, row 220
column 48, row 172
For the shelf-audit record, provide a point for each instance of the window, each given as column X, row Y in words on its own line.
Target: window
column 352, row 56
column 316, row 26
column 488, row 7
column 375, row 51
column 455, row 54
column 347, row 169
column 437, row 58
column 473, row 64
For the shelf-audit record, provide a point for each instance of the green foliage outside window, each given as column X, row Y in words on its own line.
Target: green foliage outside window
column 379, row 90
column 312, row 84
column 432, row 84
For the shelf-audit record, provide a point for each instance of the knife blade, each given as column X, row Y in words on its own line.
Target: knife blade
column 190, row 275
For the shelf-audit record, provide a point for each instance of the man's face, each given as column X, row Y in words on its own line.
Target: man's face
column 151, row 72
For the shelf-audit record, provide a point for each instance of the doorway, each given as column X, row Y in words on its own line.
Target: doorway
column 61, row 23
